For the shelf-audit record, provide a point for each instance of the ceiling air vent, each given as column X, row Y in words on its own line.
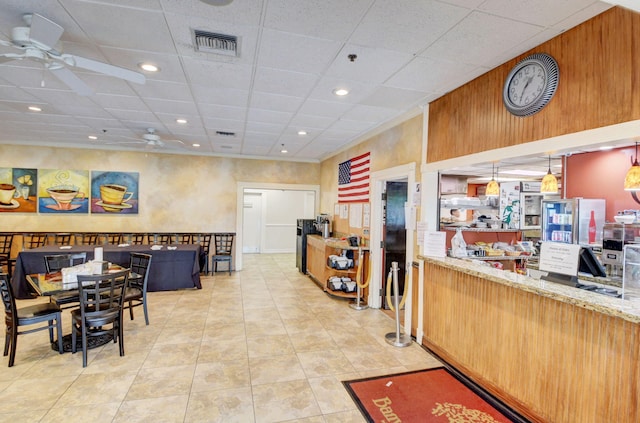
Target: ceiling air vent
column 212, row 42
column 225, row 134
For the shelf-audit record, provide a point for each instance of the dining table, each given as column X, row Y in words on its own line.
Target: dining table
column 172, row 267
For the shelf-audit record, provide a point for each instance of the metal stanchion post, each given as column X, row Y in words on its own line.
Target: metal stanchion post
column 396, row 338
column 357, row 304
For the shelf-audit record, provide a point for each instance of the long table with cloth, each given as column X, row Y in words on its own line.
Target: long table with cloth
column 172, row 266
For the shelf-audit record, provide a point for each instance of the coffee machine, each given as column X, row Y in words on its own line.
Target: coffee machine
column 614, row 237
column 323, row 225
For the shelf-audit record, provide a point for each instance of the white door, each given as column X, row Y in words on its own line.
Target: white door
column 252, row 222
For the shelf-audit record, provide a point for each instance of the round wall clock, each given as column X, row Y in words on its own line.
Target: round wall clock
column 531, row 84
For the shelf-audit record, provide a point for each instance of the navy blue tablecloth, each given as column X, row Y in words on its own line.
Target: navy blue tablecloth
column 170, row 269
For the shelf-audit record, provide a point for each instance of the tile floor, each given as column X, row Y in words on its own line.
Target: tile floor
column 263, row 345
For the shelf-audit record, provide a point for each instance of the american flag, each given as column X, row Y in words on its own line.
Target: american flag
column 353, row 180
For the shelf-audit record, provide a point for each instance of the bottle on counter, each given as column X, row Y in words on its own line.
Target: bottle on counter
column 592, row 228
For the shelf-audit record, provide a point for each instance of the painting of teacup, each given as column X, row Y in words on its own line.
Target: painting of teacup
column 64, row 195
column 114, row 194
column 7, row 191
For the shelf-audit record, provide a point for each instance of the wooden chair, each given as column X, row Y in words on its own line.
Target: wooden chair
column 223, row 247
column 33, row 240
column 17, row 317
column 138, row 239
column 111, row 239
column 136, row 294
column 55, row 263
column 184, row 238
column 6, row 241
column 101, row 299
column 163, row 239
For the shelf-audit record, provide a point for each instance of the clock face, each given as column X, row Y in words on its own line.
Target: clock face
column 527, row 84
column 530, row 85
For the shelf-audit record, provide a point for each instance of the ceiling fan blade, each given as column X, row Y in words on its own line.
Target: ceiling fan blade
column 44, row 33
column 72, row 81
column 7, row 57
column 104, row 68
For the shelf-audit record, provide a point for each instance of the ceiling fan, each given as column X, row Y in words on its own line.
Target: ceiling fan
column 38, row 40
column 152, row 140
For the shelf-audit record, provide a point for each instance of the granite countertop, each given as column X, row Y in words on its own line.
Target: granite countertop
column 616, row 307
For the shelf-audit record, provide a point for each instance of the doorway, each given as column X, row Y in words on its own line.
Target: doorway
column 394, row 236
column 252, row 218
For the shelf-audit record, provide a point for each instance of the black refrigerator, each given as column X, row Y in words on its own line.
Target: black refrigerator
column 304, row 227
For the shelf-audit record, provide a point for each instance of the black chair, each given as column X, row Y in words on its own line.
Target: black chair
column 86, row 239
column 101, row 299
column 33, row 240
column 223, row 244
column 16, row 317
column 184, row 239
column 138, row 239
column 111, row 239
column 6, row 241
column 205, row 250
column 55, row 263
column 163, row 239
column 136, row 294
column 62, row 239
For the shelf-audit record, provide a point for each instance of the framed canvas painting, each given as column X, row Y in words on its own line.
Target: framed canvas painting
column 63, row 191
column 114, row 192
column 18, row 190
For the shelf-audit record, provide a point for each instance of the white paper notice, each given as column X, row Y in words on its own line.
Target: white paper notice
column 97, row 254
column 558, row 257
column 422, row 227
column 366, row 215
column 344, row 211
column 336, row 209
column 355, row 216
column 435, row 244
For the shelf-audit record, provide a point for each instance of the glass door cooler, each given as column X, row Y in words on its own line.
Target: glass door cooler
column 573, row 221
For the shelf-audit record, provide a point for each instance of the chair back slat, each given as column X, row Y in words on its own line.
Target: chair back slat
column 33, row 240
column 223, row 243
column 86, row 239
column 8, row 299
column 101, row 295
column 57, row 262
column 6, row 240
column 139, row 264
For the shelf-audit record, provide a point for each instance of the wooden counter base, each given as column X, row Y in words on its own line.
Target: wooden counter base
column 551, row 360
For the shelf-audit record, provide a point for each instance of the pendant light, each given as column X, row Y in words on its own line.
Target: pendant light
column 493, row 189
column 632, row 180
column 549, row 182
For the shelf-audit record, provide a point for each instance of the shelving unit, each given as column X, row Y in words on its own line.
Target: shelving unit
column 318, row 251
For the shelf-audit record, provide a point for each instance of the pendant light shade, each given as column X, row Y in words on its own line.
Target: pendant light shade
column 632, row 180
column 493, row 189
column 549, row 182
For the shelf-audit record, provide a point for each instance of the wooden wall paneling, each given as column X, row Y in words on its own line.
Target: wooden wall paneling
column 550, row 360
column 599, row 86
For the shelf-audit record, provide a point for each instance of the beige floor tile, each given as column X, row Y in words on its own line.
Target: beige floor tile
column 294, row 399
column 161, row 382
column 19, row 396
column 345, row 417
column 273, row 369
column 221, row 375
column 224, row 350
column 264, row 327
column 325, row 363
column 318, row 341
column 163, row 355
column 24, row 416
column 98, row 413
column 165, row 409
column 331, row 395
column 222, row 406
column 267, row 346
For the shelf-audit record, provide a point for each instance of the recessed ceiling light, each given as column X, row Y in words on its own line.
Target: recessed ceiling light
column 149, row 67
column 195, row 145
column 302, row 132
column 606, row 147
column 341, row 91
column 35, row 109
column 284, row 150
column 181, row 121
column 93, row 137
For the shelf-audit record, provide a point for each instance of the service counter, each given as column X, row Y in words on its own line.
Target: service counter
column 553, row 352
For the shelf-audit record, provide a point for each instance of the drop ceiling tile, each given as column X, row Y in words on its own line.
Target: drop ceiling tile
column 352, row 125
column 222, row 112
column 406, row 26
column 311, row 121
column 137, row 29
column 163, row 90
column 239, row 12
column 256, row 150
column 301, row 54
column 330, row 109
column 329, row 19
column 169, row 106
column 426, row 74
column 587, row 13
column 221, row 96
column 279, row 81
column 170, row 66
column 214, row 124
column 269, row 116
column 124, row 102
column 370, row 113
column 223, row 75
column 540, row 12
column 10, row 93
column 357, row 90
column 395, row 98
column 281, row 103
column 269, row 128
column 371, row 65
column 131, row 115
column 455, row 45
